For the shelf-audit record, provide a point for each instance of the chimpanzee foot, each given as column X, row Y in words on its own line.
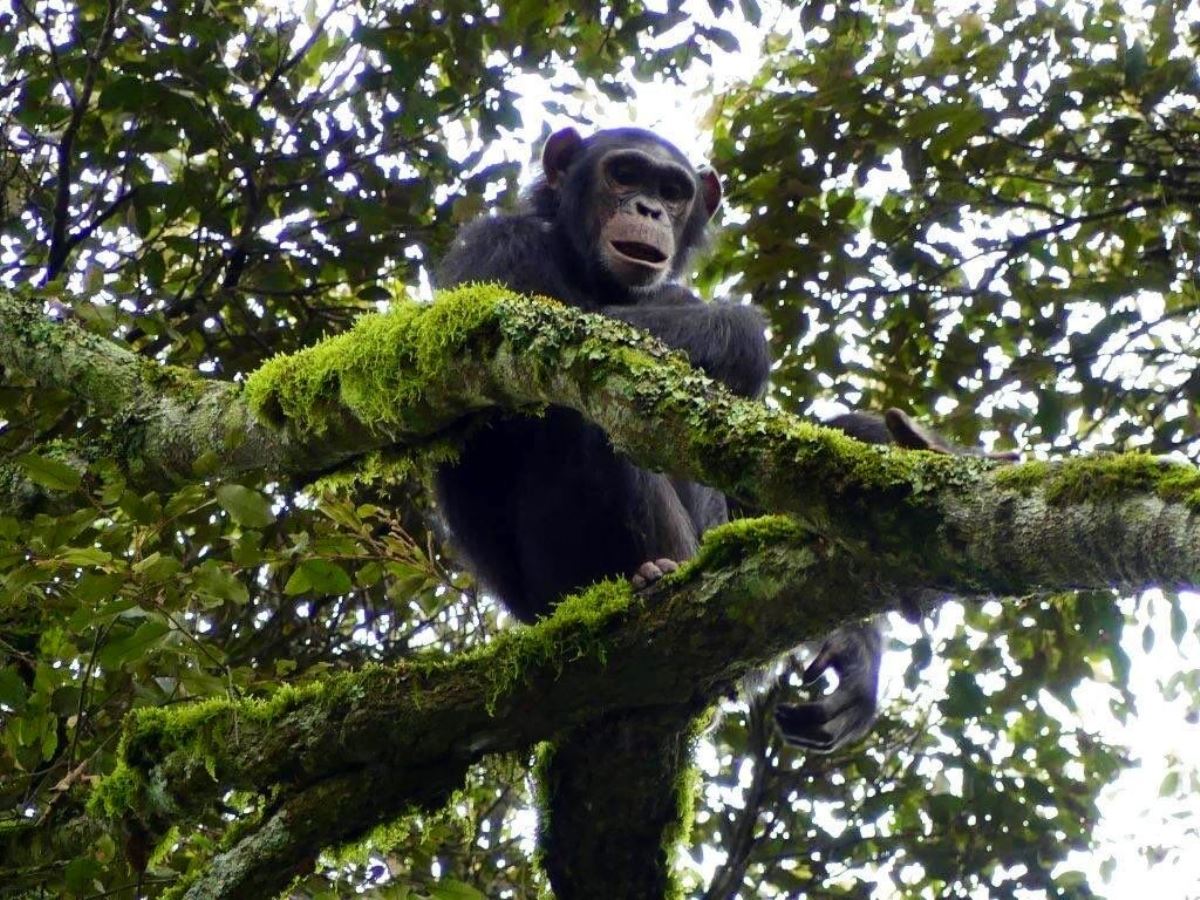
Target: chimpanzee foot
column 651, row 571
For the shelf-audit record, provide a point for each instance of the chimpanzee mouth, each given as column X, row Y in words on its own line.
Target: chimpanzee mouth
column 639, row 252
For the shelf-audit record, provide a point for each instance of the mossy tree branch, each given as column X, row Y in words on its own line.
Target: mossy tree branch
column 759, row 587
column 403, row 377
column 865, row 525
column 155, row 421
column 605, row 659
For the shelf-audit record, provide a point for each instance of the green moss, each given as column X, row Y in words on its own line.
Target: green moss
column 197, row 733
column 677, row 834
column 543, row 760
column 119, row 793
column 403, row 831
column 747, row 447
column 195, row 738
column 1105, row 478
column 403, row 371
column 384, row 468
column 1182, row 483
column 1079, row 480
column 730, row 543
column 1025, row 477
column 181, row 384
column 576, row 629
column 385, row 362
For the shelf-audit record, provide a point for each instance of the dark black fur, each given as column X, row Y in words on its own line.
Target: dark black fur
column 543, row 507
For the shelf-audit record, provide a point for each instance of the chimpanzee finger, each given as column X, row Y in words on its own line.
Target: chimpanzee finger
column 908, row 434
column 825, row 659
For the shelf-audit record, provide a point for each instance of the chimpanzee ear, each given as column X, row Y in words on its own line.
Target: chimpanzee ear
column 560, row 149
column 710, row 189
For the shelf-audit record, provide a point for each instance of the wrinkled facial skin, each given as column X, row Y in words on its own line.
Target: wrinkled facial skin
column 629, row 203
column 644, row 200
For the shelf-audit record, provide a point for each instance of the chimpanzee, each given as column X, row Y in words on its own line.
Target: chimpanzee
column 542, row 507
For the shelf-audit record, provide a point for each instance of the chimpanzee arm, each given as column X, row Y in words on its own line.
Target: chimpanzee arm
column 854, row 651
column 726, row 340
column 517, row 251
column 897, row 427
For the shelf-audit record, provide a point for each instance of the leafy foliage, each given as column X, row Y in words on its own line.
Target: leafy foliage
column 987, row 219
column 991, row 218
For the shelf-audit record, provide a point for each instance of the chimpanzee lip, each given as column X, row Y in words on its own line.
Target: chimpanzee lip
column 646, row 254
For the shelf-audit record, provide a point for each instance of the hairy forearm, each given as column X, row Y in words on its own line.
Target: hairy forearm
column 725, row 340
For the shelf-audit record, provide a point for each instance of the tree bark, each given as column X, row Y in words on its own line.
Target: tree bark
column 863, row 527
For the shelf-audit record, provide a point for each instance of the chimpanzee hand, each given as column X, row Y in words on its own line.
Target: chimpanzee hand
column 837, row 719
column 651, row 571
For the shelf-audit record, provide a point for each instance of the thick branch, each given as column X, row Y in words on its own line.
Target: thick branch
column 300, row 826
column 616, row 799
column 144, row 414
column 882, row 523
column 403, row 377
column 760, row 587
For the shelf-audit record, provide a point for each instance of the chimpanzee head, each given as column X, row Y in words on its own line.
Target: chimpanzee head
column 629, row 201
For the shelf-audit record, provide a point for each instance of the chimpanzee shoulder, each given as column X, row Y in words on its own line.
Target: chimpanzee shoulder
column 518, row 250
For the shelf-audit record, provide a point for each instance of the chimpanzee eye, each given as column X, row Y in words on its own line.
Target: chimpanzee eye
column 677, row 190
column 625, row 172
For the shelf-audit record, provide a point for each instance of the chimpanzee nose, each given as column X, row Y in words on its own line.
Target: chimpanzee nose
column 645, row 209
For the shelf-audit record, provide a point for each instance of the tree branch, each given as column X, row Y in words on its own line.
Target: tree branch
column 60, row 245
column 615, row 802
column 404, row 377
column 606, row 663
column 866, row 525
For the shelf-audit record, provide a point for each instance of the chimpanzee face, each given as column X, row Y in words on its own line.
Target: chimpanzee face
column 645, row 207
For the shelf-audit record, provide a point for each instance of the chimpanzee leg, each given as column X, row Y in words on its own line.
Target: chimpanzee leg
column 598, row 517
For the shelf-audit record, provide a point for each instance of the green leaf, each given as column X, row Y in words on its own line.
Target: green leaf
column 369, row 574
column 65, row 700
column 127, row 92
column 216, row 582
column 1170, row 784
column 1135, row 66
column 247, row 507
column 157, row 568
column 85, row 556
column 298, row 583
column 319, row 576
column 12, row 689
column 1178, row 620
column 50, row 473
column 207, row 463
column 134, row 646
column 1072, row 879
column 81, row 876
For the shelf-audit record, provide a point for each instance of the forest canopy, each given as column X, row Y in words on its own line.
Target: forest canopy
column 237, row 656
